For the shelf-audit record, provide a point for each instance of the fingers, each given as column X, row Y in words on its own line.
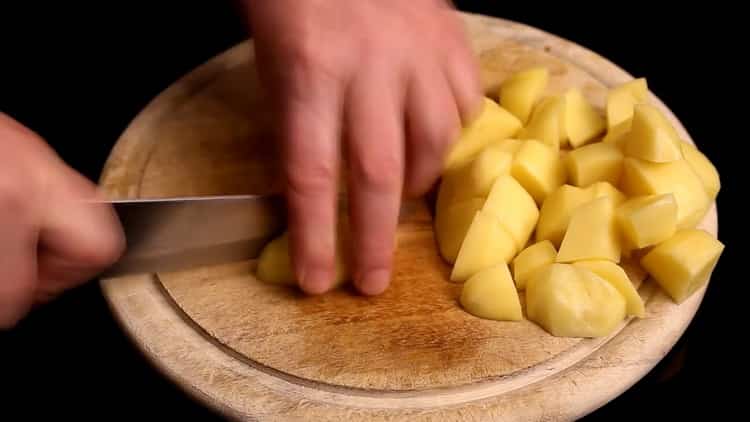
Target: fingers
column 310, row 125
column 78, row 238
column 461, row 68
column 433, row 123
column 374, row 125
column 17, row 254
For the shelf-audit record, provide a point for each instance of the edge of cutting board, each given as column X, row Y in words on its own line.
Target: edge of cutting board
column 213, row 376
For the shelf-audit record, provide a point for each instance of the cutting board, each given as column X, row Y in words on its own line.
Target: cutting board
column 261, row 352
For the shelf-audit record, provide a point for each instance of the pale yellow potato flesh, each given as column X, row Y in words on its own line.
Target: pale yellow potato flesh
column 514, row 208
column 539, row 169
column 617, row 276
column 599, row 162
column 592, row 233
column 651, row 137
column 556, row 210
column 703, row 167
column 520, row 92
column 622, row 99
column 491, row 294
column 647, row 220
column 486, row 244
column 453, row 224
column 532, row 259
column 582, row 122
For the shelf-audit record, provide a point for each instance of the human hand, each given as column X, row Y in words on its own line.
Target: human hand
column 51, row 237
column 390, row 79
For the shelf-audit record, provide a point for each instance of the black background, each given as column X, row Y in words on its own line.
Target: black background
column 77, row 74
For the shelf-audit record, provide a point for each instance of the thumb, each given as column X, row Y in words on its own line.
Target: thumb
column 79, row 237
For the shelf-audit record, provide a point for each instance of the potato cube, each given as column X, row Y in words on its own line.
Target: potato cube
column 648, row 220
column 544, row 124
column 486, row 244
column 532, row 259
column 601, row 189
column 521, row 91
column 452, row 224
column 514, row 207
column 683, row 264
column 476, row 178
column 568, row 301
column 597, row 162
column 539, row 169
column 616, row 134
column 556, row 211
column 651, row 136
column 703, row 167
column 275, row 264
column 491, row 294
column 582, row 122
column 622, row 99
column 493, row 123
column 641, row 177
column 592, row 233
column 616, row 276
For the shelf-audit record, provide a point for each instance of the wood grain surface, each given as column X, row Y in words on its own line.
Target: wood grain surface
column 260, row 352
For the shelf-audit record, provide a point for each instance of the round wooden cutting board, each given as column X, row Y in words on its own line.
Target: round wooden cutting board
column 261, row 352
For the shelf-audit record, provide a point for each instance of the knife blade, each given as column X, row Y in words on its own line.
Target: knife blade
column 173, row 234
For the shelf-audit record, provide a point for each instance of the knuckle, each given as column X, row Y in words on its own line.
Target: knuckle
column 378, row 172
column 310, row 177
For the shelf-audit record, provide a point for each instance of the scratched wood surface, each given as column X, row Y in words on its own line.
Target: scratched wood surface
column 263, row 352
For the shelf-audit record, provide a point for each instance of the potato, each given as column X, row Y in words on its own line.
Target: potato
column 601, row 189
column 622, row 99
column 651, row 137
column 532, row 259
column 592, row 233
column 555, row 213
column 275, row 264
column 452, row 224
column 568, row 301
column 616, row 134
column 486, row 244
column 616, row 276
column 491, row 294
column 510, row 145
column 539, row 169
column 647, row 220
column 476, row 178
column 703, row 167
column 582, row 122
column 545, row 122
column 641, row 177
column 493, row 123
column 514, row 208
column 521, row 91
column 597, row 162
column 683, row 264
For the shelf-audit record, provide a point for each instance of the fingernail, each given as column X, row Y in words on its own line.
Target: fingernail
column 316, row 281
column 374, row 282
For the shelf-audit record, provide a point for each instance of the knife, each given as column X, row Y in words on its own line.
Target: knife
column 173, row 234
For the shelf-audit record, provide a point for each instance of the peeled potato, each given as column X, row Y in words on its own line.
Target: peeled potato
column 514, row 208
column 494, row 123
column 520, row 91
column 476, row 178
column 616, row 134
column 703, row 167
column 641, row 177
column 601, row 189
column 651, row 136
column 592, row 233
column 532, row 259
column 582, row 122
column 539, row 169
column 622, row 99
column 555, row 213
column 486, row 244
column 619, row 279
column 599, row 162
column 545, row 123
column 573, row 302
column 452, row 224
column 275, row 265
column 491, row 294
column 648, row 220
column 683, row 264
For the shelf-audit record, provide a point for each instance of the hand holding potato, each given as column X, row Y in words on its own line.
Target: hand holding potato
column 388, row 82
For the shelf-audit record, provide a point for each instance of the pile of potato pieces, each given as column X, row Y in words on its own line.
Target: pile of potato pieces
column 560, row 194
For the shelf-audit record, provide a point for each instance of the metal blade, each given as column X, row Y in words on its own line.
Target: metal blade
column 180, row 233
